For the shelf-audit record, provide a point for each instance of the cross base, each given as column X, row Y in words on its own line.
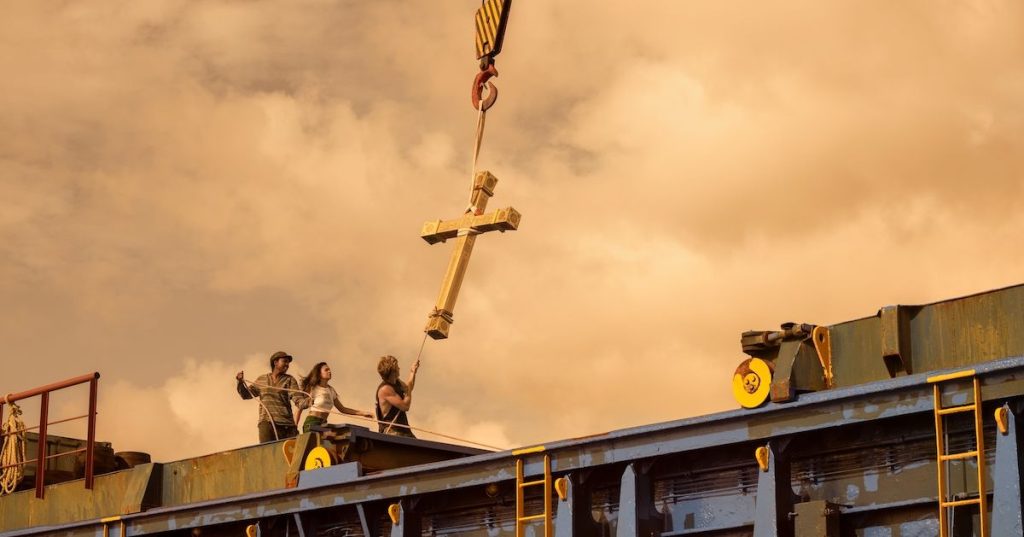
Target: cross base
column 438, row 324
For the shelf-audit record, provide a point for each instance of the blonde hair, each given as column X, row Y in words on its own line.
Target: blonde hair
column 386, row 366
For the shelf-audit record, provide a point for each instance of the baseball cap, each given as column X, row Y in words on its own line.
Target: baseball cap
column 279, row 354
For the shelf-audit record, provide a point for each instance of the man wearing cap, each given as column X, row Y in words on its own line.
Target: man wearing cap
column 275, row 391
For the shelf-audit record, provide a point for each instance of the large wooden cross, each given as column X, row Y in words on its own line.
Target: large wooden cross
column 464, row 229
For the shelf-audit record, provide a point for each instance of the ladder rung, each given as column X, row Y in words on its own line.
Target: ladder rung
column 954, row 456
column 956, row 503
column 955, row 409
column 951, row 376
column 532, row 517
column 525, row 484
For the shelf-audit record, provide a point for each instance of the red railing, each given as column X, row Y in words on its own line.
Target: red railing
column 44, row 408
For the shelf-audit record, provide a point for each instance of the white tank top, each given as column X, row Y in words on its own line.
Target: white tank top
column 323, row 398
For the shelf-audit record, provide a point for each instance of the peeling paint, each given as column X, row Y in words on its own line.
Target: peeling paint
column 871, row 481
column 852, row 493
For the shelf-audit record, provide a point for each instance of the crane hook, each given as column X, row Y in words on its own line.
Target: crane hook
column 481, row 80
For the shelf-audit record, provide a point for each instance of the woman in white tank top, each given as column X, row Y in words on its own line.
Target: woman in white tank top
column 322, row 398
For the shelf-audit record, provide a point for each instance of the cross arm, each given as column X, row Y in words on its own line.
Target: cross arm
column 503, row 220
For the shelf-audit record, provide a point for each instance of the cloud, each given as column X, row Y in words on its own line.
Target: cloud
column 190, row 414
column 192, row 186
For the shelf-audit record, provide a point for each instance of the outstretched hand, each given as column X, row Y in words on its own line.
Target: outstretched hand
column 412, row 376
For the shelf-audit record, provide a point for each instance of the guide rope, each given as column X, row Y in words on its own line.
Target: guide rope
column 273, row 424
column 373, row 420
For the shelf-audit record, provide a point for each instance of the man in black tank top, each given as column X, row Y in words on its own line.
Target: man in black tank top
column 394, row 397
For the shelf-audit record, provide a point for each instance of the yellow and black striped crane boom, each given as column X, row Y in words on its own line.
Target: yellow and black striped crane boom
column 491, row 20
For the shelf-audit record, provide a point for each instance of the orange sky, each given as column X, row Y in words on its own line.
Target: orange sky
column 190, row 186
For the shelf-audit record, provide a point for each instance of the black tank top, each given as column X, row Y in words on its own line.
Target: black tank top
column 392, row 422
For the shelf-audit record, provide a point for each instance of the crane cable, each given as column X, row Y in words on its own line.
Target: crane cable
column 12, row 458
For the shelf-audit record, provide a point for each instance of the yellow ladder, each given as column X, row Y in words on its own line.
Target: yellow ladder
column 522, row 519
column 943, row 458
column 110, row 520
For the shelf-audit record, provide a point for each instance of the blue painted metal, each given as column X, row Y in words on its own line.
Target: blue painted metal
column 364, row 524
column 811, row 413
column 710, row 514
column 573, row 516
column 338, row 473
column 774, row 500
column 637, row 516
column 1006, row 476
column 408, row 522
column 299, row 524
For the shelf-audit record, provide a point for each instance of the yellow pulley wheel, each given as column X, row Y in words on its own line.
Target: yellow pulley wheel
column 751, row 382
column 318, row 458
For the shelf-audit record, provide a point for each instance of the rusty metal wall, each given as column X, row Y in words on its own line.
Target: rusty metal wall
column 866, row 449
column 117, row 493
column 859, row 456
column 220, row 475
column 963, row 331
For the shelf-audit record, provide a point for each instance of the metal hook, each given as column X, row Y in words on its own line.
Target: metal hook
column 483, row 79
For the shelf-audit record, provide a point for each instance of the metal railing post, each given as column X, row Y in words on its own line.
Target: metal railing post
column 44, row 406
column 44, row 415
column 90, row 446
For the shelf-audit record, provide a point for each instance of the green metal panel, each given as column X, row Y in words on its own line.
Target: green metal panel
column 117, row 493
column 229, row 473
column 969, row 330
column 953, row 333
column 857, row 352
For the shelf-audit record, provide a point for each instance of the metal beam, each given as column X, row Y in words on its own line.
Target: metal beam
column 363, row 522
column 774, row 495
column 637, row 515
column 814, row 412
column 1006, row 490
column 408, row 524
column 573, row 516
column 299, row 525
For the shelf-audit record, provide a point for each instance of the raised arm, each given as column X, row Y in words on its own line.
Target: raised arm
column 243, row 390
column 411, row 383
column 389, row 394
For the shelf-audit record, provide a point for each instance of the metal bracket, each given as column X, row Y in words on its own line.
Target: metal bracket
column 894, row 328
column 774, row 495
column 1007, row 480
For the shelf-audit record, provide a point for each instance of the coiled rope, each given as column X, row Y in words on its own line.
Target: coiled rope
column 12, row 458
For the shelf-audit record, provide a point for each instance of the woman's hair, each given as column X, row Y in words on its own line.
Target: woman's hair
column 313, row 378
column 386, row 366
